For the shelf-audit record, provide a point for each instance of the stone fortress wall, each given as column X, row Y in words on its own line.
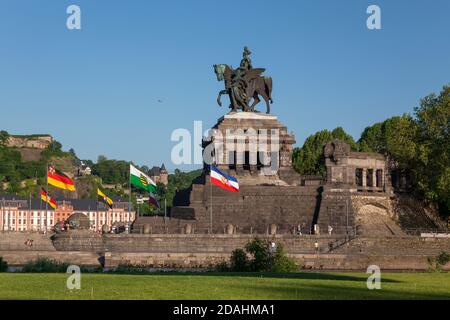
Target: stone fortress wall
column 32, row 141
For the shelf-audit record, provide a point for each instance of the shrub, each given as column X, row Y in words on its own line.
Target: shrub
column 130, row 269
column 263, row 259
column 239, row 261
column 44, row 265
column 259, row 249
column 223, row 267
column 435, row 264
column 3, row 265
column 282, row 263
column 443, row 258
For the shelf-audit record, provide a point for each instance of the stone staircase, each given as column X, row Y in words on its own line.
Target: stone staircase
column 375, row 221
column 395, row 246
column 257, row 180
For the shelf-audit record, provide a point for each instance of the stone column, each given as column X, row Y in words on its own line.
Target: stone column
column 374, row 178
column 6, row 220
column 382, row 179
column 28, row 214
column 240, row 160
column 364, row 177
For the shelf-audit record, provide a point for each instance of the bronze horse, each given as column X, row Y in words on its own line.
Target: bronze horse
column 252, row 82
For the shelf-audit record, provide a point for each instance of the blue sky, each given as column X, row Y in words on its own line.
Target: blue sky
column 97, row 89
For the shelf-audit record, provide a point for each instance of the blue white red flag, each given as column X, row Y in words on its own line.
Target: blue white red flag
column 223, row 180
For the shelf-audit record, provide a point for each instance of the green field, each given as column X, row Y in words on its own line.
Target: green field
column 226, row 286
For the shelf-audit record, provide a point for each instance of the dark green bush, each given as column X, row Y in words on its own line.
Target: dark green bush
column 263, row 259
column 130, row 269
column 435, row 264
column 3, row 265
column 44, row 265
column 260, row 251
column 282, row 263
column 443, row 258
column 222, row 267
column 239, row 261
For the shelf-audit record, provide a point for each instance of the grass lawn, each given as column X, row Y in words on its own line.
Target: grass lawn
column 226, row 286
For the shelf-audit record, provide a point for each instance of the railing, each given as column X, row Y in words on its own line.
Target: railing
column 248, row 230
column 419, row 231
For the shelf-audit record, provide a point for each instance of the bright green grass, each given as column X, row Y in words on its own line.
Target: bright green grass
column 226, row 286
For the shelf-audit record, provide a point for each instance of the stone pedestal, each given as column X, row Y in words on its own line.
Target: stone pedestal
column 250, row 144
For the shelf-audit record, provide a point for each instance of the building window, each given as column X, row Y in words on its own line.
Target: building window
column 379, row 176
column 369, row 178
column 358, row 177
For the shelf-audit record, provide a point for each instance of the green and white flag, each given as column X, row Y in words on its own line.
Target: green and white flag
column 141, row 180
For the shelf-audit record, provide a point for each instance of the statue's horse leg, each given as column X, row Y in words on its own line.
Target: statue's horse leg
column 267, row 100
column 268, row 87
column 256, row 100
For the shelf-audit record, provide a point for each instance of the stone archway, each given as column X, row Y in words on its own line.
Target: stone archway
column 374, row 220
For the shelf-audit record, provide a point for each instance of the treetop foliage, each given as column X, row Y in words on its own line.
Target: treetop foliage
column 418, row 144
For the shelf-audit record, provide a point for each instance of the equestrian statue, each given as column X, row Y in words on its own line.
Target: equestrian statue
column 243, row 84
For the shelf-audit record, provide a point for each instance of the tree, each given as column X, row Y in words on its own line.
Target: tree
column 101, row 158
column 400, row 138
column 4, row 136
column 433, row 158
column 372, row 139
column 419, row 145
column 309, row 159
column 111, row 171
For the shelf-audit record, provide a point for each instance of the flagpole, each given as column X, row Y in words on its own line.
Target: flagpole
column 96, row 218
column 211, row 212
column 3, row 214
column 46, row 202
column 129, row 195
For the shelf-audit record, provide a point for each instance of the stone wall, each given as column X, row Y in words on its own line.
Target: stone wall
column 203, row 251
column 15, row 241
column 304, row 261
column 204, row 243
column 253, row 209
column 36, row 142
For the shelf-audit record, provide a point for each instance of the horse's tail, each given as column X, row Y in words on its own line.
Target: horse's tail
column 268, row 85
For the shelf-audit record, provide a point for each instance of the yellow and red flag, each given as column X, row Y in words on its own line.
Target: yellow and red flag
column 59, row 179
column 46, row 198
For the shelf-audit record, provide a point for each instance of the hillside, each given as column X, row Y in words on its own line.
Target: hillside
column 23, row 162
column 24, row 159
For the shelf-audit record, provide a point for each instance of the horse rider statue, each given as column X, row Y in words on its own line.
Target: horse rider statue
column 243, row 84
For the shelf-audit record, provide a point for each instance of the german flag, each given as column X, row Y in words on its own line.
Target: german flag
column 46, row 198
column 104, row 198
column 59, row 179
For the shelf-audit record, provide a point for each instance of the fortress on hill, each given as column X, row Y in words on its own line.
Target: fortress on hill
column 31, row 141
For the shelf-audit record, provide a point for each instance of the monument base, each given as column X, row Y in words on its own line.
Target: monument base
column 254, row 147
